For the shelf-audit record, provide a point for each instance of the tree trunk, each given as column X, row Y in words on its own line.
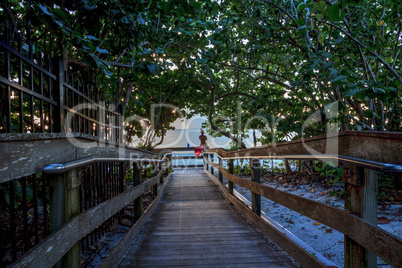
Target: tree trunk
column 287, row 166
column 254, row 138
column 217, row 129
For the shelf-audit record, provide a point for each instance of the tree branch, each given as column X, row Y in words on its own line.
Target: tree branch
column 236, row 93
column 387, row 66
column 281, row 9
column 214, row 127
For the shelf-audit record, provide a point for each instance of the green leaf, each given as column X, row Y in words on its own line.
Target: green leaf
column 376, row 115
column 60, row 23
column 141, row 20
column 300, row 22
column 389, row 60
column 153, row 68
column 369, row 114
column 339, row 77
column 301, row 7
column 102, row 50
column 91, row 37
column 44, row 9
column 333, row 71
column 378, row 90
column 352, row 92
column 124, row 20
column 196, row 5
column 338, row 40
column 59, row 13
column 320, row 6
column 215, row 10
column 107, row 71
column 335, row 12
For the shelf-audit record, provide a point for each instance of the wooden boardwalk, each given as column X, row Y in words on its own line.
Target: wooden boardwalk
column 195, row 226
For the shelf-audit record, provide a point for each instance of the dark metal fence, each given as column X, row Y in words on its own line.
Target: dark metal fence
column 31, row 208
column 39, row 95
column 28, row 90
column 24, row 205
column 100, row 182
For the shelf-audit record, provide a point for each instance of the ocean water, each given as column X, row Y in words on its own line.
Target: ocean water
column 186, row 162
column 180, row 138
column 189, row 162
column 189, row 137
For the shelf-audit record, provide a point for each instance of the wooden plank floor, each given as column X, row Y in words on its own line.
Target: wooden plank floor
column 195, row 226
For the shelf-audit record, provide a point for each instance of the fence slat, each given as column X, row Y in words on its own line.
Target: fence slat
column 26, row 90
column 256, row 177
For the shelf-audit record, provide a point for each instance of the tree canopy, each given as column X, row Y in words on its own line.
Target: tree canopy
column 252, row 64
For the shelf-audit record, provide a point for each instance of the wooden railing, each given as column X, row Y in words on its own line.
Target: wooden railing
column 358, row 221
column 81, row 203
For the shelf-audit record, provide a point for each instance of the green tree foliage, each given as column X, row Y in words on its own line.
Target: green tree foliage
column 264, row 64
column 288, row 59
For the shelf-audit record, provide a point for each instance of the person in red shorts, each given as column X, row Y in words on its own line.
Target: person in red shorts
column 203, row 140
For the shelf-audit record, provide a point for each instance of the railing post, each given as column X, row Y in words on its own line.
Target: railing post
column 137, row 173
column 166, row 173
column 212, row 160
column 121, row 119
column 99, row 119
column 230, row 183
column 64, row 205
column 102, row 120
column 205, row 155
column 160, row 167
column 59, row 95
column 73, row 209
column 155, row 187
column 255, row 177
column 57, row 190
column 220, row 173
column 360, row 199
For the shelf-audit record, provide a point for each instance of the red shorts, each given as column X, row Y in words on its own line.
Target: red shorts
column 198, row 150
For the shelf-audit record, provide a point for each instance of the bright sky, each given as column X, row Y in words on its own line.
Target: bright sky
column 188, row 130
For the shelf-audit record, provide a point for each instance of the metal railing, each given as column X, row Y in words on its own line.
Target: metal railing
column 24, row 215
column 37, row 95
column 72, row 206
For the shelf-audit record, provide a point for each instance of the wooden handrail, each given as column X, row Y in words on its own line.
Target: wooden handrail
column 383, row 147
column 364, row 233
column 380, row 242
column 60, row 168
column 341, row 159
column 187, row 157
